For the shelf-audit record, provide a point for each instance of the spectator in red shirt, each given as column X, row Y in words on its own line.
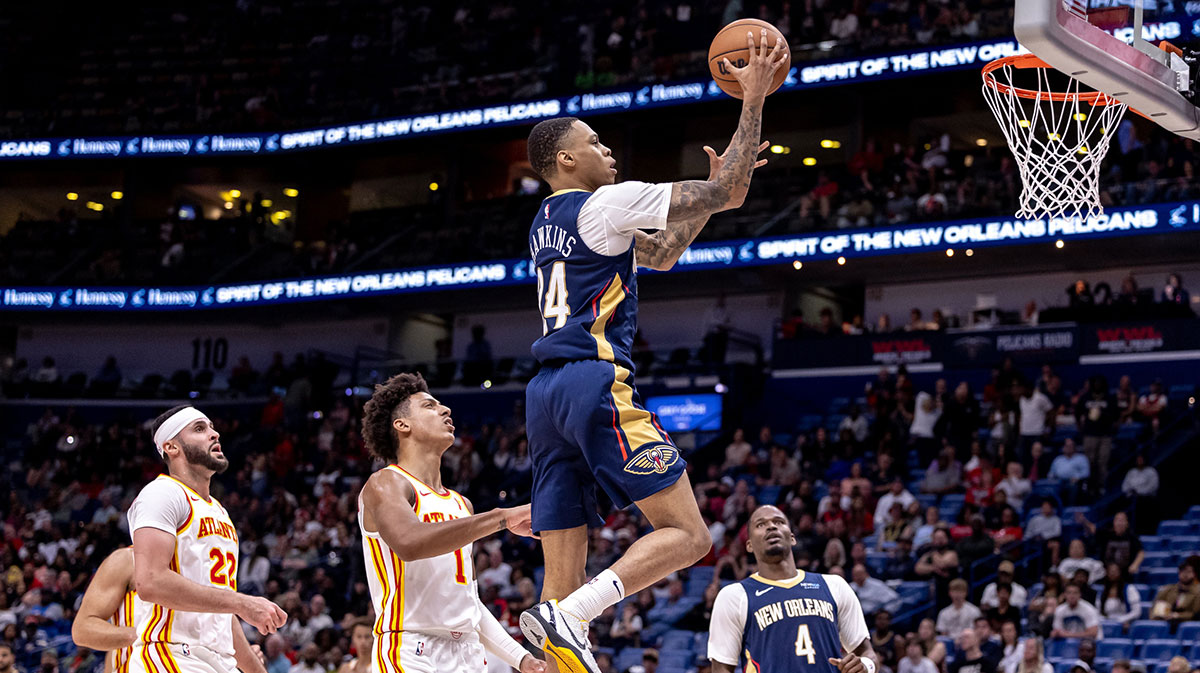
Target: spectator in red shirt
column 821, row 196
column 981, row 489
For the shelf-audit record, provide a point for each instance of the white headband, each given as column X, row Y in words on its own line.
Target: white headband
column 173, row 425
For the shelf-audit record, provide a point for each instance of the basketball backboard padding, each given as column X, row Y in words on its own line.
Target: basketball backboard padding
column 1070, row 44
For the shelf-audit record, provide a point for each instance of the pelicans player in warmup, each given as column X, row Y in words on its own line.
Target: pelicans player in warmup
column 109, row 611
column 185, row 553
column 784, row 620
column 417, row 539
column 585, row 421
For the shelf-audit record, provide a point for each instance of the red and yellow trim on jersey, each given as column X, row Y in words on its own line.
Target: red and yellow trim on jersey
column 752, row 665
column 187, row 488
column 446, row 493
column 124, row 617
column 381, row 576
column 634, row 427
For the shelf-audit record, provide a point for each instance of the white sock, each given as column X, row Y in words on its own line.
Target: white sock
column 589, row 600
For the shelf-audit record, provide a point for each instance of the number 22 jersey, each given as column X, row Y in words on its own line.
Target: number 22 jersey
column 789, row 626
column 582, row 248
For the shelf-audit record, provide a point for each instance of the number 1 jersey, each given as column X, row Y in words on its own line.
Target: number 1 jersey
column 582, row 248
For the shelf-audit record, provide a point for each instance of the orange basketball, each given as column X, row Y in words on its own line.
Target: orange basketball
column 730, row 43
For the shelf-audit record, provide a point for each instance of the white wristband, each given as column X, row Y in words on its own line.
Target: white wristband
column 868, row 663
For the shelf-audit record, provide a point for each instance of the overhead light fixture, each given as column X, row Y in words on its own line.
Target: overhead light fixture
column 72, row 196
column 982, row 142
column 841, row 261
column 117, row 196
column 229, row 205
column 235, row 193
column 810, row 161
column 291, row 192
column 949, row 252
column 797, row 265
column 433, row 186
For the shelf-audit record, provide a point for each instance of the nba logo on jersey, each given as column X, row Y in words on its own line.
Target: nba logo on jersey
column 187, row 651
column 420, row 648
column 547, row 211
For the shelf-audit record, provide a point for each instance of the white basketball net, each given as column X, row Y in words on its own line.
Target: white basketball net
column 1059, row 137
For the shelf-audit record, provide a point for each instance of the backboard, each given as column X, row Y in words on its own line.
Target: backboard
column 1150, row 80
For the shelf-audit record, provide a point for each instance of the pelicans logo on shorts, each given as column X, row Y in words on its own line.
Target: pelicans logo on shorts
column 653, row 459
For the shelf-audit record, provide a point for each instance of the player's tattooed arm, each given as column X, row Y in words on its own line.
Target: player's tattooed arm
column 662, row 249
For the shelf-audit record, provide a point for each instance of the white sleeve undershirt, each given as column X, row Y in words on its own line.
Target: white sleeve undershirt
column 612, row 213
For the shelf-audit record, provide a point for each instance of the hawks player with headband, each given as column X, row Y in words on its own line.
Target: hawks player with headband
column 784, row 619
column 417, row 537
column 185, row 561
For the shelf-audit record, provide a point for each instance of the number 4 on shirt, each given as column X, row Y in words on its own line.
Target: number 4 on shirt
column 555, row 304
column 804, row 644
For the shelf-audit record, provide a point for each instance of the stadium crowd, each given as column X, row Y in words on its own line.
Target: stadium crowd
column 907, row 497
column 875, row 185
column 283, row 64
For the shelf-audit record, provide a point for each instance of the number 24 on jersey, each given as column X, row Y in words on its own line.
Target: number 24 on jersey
column 553, row 297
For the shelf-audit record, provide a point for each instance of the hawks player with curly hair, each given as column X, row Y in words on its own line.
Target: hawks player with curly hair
column 417, row 538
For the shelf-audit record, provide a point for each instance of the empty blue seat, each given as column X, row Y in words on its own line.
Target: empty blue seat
column 1158, row 559
column 1157, row 577
column 1175, row 528
column 1151, row 543
column 701, row 644
column 956, row 498
column 678, row 639
column 1188, row 543
column 1062, row 648
column 1062, row 667
column 769, row 495
column 1188, row 633
column 1146, row 629
column 675, row 659
column 1114, row 648
column 1158, row 649
column 1111, row 629
column 1193, row 513
column 630, row 656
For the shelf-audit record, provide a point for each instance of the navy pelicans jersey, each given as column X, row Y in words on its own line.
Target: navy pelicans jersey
column 791, row 626
column 582, row 248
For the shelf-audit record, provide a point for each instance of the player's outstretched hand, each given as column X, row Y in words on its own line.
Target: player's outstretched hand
column 519, row 520
column 531, row 665
column 716, row 162
column 758, row 76
column 851, row 663
column 262, row 614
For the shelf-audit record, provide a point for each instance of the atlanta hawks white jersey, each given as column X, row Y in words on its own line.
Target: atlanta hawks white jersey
column 435, row 596
column 132, row 609
column 206, row 552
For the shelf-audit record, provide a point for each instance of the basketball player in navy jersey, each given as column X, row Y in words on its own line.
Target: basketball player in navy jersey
column 584, row 418
column 784, row 620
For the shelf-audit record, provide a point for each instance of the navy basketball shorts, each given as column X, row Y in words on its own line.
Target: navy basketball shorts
column 587, row 426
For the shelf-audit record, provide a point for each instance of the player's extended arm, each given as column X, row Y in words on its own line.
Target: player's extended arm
column 719, row 667
column 157, row 583
column 693, row 201
column 662, row 249
column 389, row 498
column 92, row 628
column 249, row 660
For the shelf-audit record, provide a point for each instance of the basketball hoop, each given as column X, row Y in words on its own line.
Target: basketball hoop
column 1058, row 134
